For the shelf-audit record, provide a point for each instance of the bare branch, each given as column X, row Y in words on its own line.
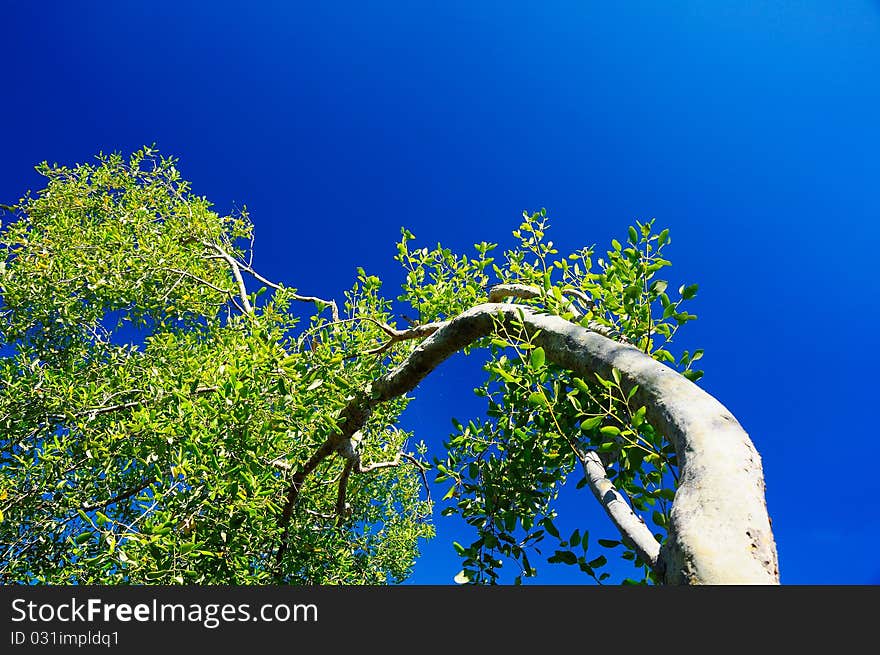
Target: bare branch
column 631, row 526
column 182, row 275
column 334, row 310
column 580, row 295
column 226, row 292
column 281, row 463
column 200, row 280
column 416, row 332
column 378, row 465
column 341, row 505
column 423, row 471
column 107, row 409
column 521, row 291
column 236, row 273
column 525, row 292
column 125, row 495
column 320, row 515
column 296, row 482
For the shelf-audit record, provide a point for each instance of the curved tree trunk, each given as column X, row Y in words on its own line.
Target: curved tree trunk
column 720, row 531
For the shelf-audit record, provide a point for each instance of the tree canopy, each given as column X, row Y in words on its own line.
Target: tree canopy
column 171, row 416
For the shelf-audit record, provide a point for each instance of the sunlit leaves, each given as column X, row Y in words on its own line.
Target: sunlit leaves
column 507, row 470
column 151, row 426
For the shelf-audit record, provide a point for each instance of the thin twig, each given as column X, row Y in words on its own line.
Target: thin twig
column 422, row 471
column 340, row 494
column 296, row 482
column 334, row 310
column 125, row 495
column 236, row 273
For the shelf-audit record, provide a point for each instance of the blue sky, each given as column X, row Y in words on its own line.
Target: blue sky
column 748, row 129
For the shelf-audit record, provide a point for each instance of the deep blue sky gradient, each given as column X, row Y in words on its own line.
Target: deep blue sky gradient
column 748, row 128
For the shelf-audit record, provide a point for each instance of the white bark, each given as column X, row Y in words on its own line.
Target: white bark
column 719, row 531
column 628, row 523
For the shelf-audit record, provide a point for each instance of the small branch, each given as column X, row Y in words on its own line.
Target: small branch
column 526, row 292
column 417, row 332
column 96, row 411
column 580, row 295
column 347, row 449
column 631, row 526
column 200, row 280
column 107, row 409
column 320, row 515
column 340, row 495
column 377, row 465
column 323, row 451
column 521, row 291
column 422, row 471
column 174, row 286
column 125, row 495
column 236, row 273
column 281, row 463
column 334, row 310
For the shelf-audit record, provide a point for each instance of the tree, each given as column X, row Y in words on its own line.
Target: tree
column 170, row 417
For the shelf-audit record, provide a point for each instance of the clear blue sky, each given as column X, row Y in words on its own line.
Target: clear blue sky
column 749, row 129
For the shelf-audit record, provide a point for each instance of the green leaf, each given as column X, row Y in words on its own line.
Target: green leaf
column 633, row 235
column 609, row 543
column 575, row 538
column 693, row 376
column 599, row 561
column 82, row 538
column 667, row 494
column 591, row 423
column 458, row 548
column 505, row 375
column 659, row 286
column 639, row 417
column 537, row 398
column 688, row 292
column 537, row 358
column 548, row 525
column 605, row 383
column 609, row 430
column 564, row 557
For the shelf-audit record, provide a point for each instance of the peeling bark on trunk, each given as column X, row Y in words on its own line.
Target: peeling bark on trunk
column 719, row 531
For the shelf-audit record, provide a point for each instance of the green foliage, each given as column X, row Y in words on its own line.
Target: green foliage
column 152, row 425
column 145, row 420
column 507, row 470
